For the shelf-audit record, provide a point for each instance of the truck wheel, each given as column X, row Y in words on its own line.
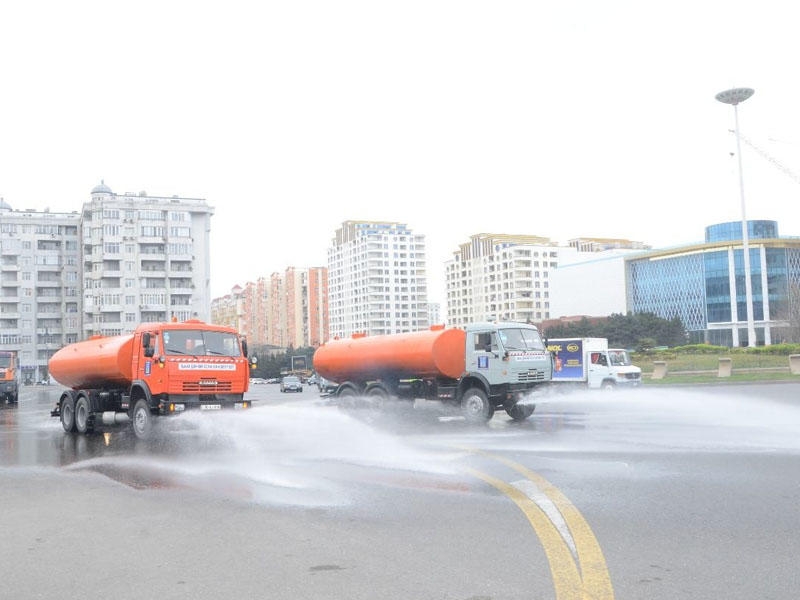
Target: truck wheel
column 520, row 412
column 83, row 413
column 68, row 413
column 476, row 406
column 607, row 386
column 142, row 420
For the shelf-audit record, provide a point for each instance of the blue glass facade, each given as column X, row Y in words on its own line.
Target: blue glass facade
column 704, row 285
column 729, row 232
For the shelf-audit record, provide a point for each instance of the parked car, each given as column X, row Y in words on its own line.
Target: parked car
column 291, row 383
column 257, row 380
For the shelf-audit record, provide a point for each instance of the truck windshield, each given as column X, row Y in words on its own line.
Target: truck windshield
column 5, row 361
column 191, row 342
column 618, row 358
column 521, row 339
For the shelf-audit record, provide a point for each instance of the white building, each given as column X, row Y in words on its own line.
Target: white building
column 377, row 280
column 40, row 286
column 502, row 277
column 145, row 259
column 591, row 284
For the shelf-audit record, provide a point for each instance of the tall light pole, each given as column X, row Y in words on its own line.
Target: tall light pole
column 734, row 96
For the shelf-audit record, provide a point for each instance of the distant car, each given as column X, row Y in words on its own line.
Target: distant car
column 290, row 383
column 312, row 380
column 257, row 380
column 273, row 380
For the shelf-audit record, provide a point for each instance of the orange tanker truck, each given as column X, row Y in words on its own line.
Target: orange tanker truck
column 480, row 368
column 9, row 376
column 160, row 369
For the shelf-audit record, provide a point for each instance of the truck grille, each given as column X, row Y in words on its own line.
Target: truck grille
column 207, row 386
column 530, row 375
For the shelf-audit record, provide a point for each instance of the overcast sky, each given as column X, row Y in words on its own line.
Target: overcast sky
column 559, row 119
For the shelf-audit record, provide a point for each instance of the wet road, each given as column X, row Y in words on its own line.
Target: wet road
column 652, row 494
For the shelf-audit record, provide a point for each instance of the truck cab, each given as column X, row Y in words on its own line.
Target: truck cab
column 505, row 361
column 510, row 354
column 9, row 377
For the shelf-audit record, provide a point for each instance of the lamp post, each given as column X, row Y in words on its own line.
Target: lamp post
column 734, row 96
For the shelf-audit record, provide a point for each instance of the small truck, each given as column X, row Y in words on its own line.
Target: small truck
column 590, row 362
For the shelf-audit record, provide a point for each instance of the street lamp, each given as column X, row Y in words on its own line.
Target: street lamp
column 734, row 96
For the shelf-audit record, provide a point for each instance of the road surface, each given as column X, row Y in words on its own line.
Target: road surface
column 657, row 494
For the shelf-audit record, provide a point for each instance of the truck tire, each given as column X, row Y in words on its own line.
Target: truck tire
column 520, row 412
column 83, row 415
column 67, row 411
column 142, row 420
column 476, row 406
column 608, row 386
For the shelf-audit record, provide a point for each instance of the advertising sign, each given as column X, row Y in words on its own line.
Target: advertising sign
column 568, row 358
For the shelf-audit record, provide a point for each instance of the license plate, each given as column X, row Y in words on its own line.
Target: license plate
column 210, row 407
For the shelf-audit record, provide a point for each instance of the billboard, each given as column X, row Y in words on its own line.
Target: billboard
column 299, row 363
column 568, row 359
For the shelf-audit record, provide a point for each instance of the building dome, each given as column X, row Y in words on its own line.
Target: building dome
column 102, row 188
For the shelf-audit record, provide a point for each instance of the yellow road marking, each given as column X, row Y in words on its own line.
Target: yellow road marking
column 566, row 579
column 593, row 580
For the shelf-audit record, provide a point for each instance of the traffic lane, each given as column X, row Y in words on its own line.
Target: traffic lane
column 30, row 436
column 699, row 526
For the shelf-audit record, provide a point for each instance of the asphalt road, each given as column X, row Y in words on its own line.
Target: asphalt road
column 657, row 494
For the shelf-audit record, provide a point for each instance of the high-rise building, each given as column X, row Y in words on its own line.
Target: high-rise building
column 40, row 286
column 145, row 259
column 500, row 277
column 286, row 309
column 377, row 279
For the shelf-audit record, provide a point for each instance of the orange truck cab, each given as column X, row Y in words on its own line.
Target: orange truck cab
column 160, row 369
column 9, row 376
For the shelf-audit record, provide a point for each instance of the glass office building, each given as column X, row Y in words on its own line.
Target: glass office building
column 704, row 284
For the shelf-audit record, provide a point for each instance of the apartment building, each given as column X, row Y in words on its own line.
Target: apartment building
column 501, row 277
column 145, row 259
column 377, row 279
column 286, row 309
column 40, row 285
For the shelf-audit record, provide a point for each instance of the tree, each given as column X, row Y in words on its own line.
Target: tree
column 788, row 312
column 625, row 331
